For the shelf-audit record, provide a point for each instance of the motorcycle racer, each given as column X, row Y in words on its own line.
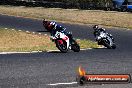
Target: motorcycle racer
column 53, row 27
column 98, row 30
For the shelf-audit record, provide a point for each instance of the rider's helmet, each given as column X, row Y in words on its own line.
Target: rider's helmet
column 95, row 27
column 45, row 24
column 48, row 25
column 52, row 24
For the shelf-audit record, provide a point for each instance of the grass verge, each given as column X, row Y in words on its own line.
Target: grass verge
column 107, row 18
column 19, row 41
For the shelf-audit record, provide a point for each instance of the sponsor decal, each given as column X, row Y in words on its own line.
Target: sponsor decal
column 84, row 78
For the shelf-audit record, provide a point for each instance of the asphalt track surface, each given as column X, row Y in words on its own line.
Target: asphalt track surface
column 38, row 70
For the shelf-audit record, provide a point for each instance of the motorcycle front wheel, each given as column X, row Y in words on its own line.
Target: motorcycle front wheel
column 106, row 43
column 61, row 45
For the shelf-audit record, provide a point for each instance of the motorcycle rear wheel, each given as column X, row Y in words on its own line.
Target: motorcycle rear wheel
column 113, row 46
column 75, row 46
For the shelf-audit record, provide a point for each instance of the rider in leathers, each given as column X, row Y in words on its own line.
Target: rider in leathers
column 53, row 27
column 98, row 30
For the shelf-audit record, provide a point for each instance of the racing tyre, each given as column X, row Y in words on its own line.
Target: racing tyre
column 75, row 47
column 106, row 43
column 61, row 45
column 113, row 46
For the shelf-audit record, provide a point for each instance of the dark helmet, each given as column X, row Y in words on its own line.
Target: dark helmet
column 48, row 25
column 95, row 27
column 45, row 23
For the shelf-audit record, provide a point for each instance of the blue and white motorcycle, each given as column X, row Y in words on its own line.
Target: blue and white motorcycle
column 106, row 40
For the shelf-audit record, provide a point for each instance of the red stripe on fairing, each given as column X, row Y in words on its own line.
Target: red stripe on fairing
column 66, row 38
column 60, row 41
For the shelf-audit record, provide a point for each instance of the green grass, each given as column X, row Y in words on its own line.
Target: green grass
column 20, row 41
column 87, row 44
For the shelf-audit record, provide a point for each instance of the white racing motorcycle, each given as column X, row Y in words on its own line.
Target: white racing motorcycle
column 63, row 43
column 106, row 40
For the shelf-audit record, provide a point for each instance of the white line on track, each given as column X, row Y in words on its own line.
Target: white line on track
column 19, row 52
column 40, row 51
column 27, row 31
column 128, row 29
column 19, row 30
column 80, row 49
column 53, row 50
column 55, row 84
